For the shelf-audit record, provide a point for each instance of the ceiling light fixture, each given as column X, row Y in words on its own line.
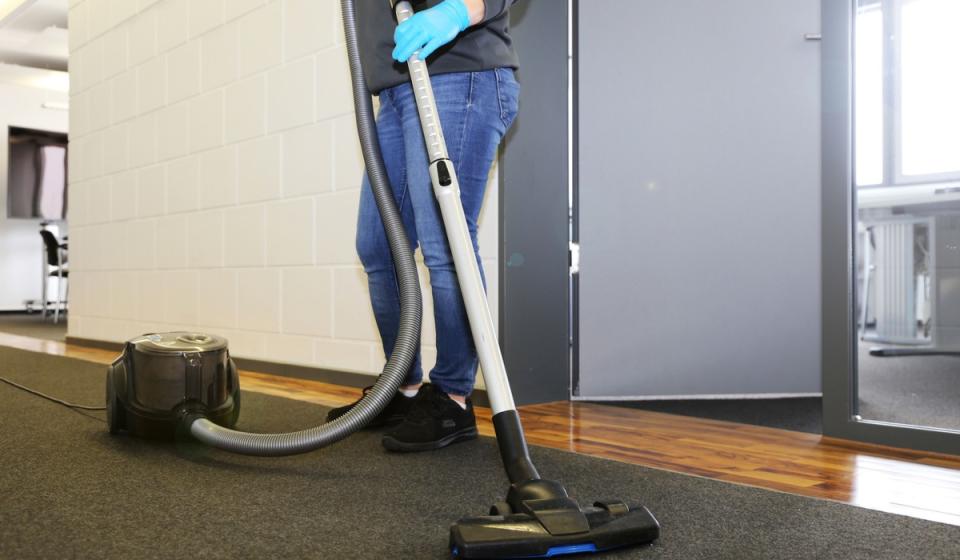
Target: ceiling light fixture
column 50, row 80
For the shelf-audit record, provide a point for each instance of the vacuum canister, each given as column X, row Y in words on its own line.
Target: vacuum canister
column 160, row 378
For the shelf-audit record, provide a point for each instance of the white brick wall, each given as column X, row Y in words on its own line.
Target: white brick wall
column 215, row 177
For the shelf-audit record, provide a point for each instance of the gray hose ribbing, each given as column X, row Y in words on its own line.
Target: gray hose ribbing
column 411, row 306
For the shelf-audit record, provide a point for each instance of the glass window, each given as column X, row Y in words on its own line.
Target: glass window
column 907, row 92
column 930, row 87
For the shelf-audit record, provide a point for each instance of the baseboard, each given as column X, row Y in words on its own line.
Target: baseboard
column 93, row 343
column 294, row 371
column 335, row 377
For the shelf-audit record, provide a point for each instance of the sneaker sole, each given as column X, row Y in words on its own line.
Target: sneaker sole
column 393, row 444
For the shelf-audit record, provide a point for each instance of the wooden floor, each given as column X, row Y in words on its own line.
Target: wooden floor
column 918, row 484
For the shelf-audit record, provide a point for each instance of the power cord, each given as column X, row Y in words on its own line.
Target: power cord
column 49, row 398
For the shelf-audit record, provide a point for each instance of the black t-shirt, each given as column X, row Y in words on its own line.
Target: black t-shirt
column 483, row 46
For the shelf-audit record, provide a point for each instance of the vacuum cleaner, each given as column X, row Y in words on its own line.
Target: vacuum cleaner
column 184, row 384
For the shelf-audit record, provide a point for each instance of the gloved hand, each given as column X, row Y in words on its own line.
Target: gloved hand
column 430, row 29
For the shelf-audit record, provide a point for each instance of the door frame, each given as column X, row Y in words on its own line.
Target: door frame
column 839, row 293
column 534, row 210
column 574, row 199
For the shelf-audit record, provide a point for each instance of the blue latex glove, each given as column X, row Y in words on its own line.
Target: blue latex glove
column 429, row 30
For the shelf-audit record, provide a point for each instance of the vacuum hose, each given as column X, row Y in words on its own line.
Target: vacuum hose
column 411, row 306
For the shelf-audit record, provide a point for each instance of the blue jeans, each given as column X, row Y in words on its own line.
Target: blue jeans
column 476, row 109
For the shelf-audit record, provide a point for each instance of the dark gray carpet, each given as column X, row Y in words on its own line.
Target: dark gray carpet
column 920, row 390
column 34, row 325
column 799, row 415
column 69, row 490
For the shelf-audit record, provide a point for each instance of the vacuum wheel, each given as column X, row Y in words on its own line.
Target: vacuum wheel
column 501, row 508
column 116, row 417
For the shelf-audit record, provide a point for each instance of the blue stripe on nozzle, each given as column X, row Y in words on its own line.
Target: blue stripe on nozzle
column 571, row 549
column 553, row 551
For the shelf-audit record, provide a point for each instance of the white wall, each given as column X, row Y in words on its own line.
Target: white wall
column 20, row 244
column 215, row 178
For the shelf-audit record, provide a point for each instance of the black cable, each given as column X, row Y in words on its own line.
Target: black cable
column 49, row 398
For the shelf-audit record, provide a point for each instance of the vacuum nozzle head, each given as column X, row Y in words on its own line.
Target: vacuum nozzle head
column 605, row 526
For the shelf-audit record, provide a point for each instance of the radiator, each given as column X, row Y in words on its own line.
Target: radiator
column 895, row 298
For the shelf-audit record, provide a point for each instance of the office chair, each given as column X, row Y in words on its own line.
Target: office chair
column 55, row 266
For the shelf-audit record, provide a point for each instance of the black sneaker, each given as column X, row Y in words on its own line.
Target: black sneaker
column 391, row 415
column 433, row 421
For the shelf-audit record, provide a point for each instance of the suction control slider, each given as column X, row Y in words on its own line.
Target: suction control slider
column 443, row 173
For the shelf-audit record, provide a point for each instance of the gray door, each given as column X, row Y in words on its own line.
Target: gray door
column 698, row 210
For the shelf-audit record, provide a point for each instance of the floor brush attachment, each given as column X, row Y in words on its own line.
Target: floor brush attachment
column 549, row 524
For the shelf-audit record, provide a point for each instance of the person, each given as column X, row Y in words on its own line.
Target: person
column 468, row 49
